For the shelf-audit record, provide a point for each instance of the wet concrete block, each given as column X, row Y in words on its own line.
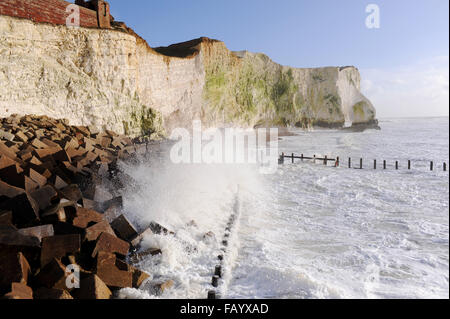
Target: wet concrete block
column 52, row 275
column 24, row 208
column 71, row 192
column 86, row 217
column 39, row 231
column 111, row 244
column 92, row 287
column 14, row 267
column 123, row 228
column 19, row 291
column 111, row 275
column 44, row 196
column 51, row 294
column 59, row 246
column 93, row 232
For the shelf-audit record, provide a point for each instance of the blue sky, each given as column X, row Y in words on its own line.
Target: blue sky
column 408, row 53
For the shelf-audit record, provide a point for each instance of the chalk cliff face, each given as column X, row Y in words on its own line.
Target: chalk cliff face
column 112, row 79
column 88, row 76
column 256, row 91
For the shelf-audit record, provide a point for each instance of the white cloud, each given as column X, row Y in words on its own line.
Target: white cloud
column 421, row 89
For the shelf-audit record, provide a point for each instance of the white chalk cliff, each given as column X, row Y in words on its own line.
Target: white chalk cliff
column 113, row 79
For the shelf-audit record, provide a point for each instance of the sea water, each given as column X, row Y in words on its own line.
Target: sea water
column 309, row 230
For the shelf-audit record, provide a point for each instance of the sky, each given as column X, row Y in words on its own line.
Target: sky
column 404, row 63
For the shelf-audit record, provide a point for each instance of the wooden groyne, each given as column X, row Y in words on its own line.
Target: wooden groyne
column 219, row 270
column 336, row 161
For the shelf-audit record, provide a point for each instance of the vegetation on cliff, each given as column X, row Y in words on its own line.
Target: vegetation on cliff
column 254, row 91
column 142, row 120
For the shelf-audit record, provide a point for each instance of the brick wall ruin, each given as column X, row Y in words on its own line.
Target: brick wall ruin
column 93, row 14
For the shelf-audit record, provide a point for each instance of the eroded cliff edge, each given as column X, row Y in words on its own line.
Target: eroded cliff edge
column 112, row 79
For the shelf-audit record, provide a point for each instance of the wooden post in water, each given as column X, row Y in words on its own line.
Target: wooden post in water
column 361, row 163
column 292, row 158
column 302, row 157
column 384, row 164
column 374, row 164
column 215, row 281
column 337, row 161
column 218, row 271
column 431, row 165
column 396, row 165
column 325, row 161
column 409, row 164
column 445, row 167
column 211, row 294
column 314, row 158
column 281, row 160
column 349, row 162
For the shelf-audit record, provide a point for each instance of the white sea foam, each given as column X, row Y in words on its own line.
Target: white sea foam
column 308, row 231
column 191, row 200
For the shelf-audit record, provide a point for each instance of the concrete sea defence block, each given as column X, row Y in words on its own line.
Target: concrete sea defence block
column 19, row 291
column 14, row 267
column 59, row 246
column 51, row 293
column 92, row 287
column 111, row 244
column 108, row 270
column 39, row 231
column 124, row 229
column 48, row 218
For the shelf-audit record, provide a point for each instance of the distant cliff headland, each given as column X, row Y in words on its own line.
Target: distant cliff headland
column 103, row 74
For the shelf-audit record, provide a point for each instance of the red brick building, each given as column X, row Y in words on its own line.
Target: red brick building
column 93, row 14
